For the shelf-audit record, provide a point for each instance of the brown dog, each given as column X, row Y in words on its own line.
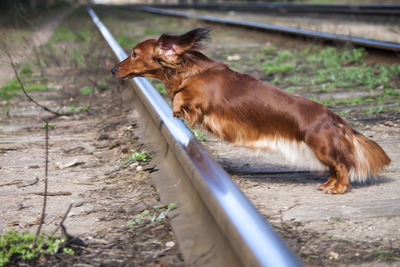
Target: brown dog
column 247, row 112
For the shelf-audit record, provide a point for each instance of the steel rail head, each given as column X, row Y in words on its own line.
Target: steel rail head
column 259, row 7
column 283, row 29
column 248, row 233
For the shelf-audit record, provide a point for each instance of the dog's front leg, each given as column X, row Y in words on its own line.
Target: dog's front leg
column 177, row 104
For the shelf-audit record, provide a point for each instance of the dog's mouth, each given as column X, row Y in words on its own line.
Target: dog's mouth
column 130, row 76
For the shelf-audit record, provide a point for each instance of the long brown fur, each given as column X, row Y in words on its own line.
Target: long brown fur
column 241, row 109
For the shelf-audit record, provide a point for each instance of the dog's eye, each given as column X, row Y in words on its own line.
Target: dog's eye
column 133, row 54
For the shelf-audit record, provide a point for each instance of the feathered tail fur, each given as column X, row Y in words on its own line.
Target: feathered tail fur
column 369, row 158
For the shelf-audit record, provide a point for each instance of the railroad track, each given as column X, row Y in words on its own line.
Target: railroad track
column 292, row 8
column 216, row 225
column 286, row 196
column 296, row 32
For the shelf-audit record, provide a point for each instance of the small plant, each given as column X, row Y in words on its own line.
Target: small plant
column 136, row 156
column 51, row 126
column 384, row 254
column 102, row 85
column 16, row 246
column 26, row 70
column 337, row 219
column 153, row 215
column 86, row 90
column 199, row 135
column 73, row 109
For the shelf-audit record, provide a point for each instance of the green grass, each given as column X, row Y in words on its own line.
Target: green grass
column 15, row 246
column 327, row 69
column 151, row 32
column 13, row 88
column 385, row 255
column 126, row 42
column 73, row 109
column 63, row 34
column 26, row 69
column 389, row 96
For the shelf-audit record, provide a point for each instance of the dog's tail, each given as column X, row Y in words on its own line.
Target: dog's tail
column 368, row 157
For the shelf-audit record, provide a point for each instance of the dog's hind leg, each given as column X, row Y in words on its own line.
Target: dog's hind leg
column 342, row 180
column 325, row 149
column 331, row 180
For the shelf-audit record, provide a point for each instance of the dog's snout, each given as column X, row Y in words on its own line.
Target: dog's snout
column 113, row 70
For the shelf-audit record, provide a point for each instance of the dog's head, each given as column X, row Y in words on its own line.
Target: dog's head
column 140, row 62
column 151, row 57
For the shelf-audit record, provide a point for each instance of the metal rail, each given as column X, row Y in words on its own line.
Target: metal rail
column 388, row 46
column 252, row 238
column 283, row 8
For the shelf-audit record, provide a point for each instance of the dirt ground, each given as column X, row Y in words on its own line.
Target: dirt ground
column 116, row 216
column 87, row 151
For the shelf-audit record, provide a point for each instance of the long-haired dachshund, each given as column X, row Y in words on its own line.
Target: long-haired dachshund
column 241, row 109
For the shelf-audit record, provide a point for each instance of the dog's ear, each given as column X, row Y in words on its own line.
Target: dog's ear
column 171, row 46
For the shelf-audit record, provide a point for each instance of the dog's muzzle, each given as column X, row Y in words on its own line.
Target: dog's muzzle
column 113, row 70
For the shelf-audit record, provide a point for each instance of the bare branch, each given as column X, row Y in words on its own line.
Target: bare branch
column 23, row 88
column 45, row 186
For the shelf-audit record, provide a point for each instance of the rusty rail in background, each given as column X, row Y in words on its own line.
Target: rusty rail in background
column 251, row 237
column 381, row 45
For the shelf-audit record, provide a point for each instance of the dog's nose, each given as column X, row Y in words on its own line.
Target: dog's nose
column 113, row 71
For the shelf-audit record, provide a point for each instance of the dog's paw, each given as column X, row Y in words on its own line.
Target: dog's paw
column 322, row 187
column 177, row 114
column 327, row 185
column 338, row 189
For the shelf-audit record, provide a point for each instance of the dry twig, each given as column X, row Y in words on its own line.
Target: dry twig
column 45, row 186
column 63, row 219
column 23, row 87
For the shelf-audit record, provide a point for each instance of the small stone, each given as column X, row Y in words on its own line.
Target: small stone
column 78, row 204
column 170, row 244
column 139, row 168
column 234, row 57
column 70, row 163
column 333, row 255
column 389, row 123
column 103, row 137
column 34, row 167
